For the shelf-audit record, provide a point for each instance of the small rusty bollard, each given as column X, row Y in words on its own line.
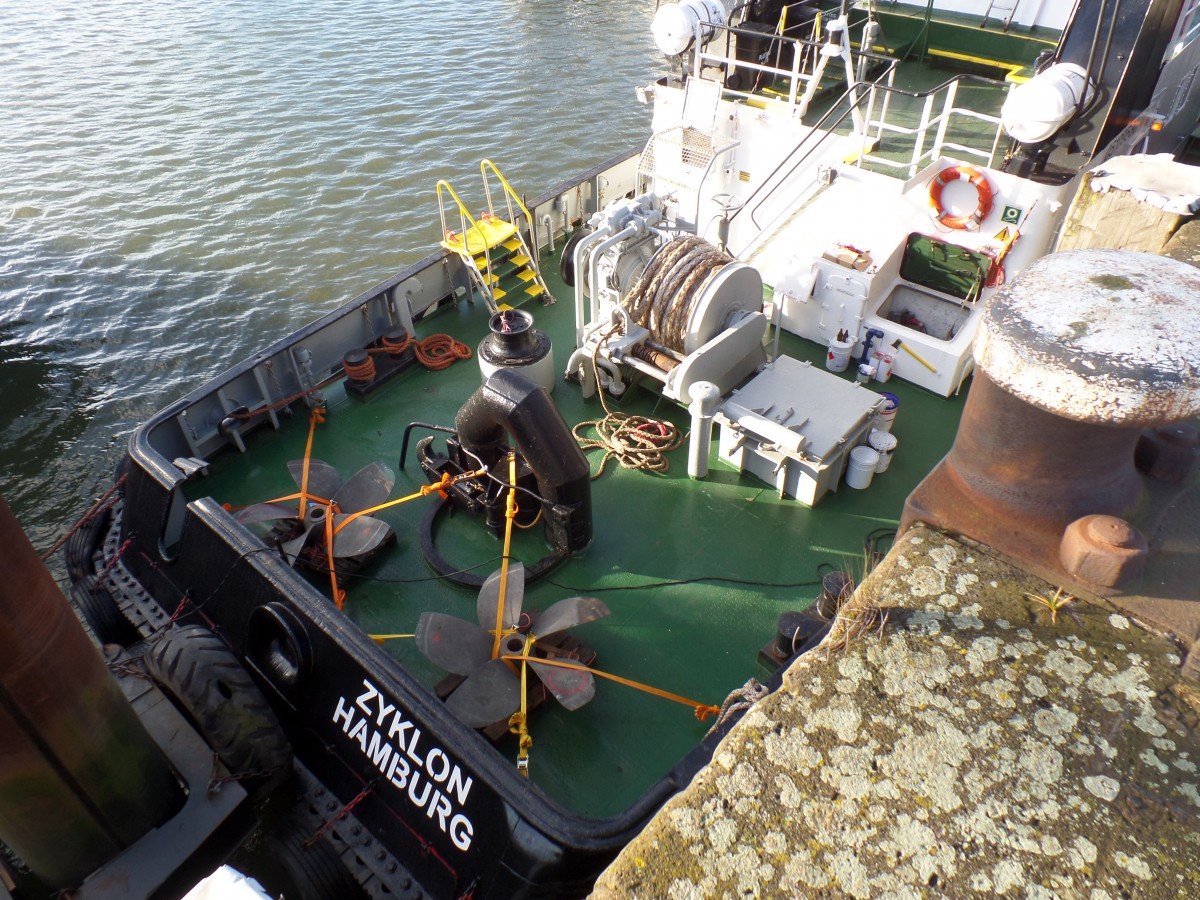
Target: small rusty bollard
column 1079, row 354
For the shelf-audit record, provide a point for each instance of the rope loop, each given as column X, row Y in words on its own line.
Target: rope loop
column 738, row 700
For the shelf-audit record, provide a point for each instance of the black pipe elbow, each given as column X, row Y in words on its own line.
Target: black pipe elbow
column 510, row 404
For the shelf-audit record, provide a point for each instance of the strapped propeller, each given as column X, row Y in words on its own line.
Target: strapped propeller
column 491, row 691
column 326, row 496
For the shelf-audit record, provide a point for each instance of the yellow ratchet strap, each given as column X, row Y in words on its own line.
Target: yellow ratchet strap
column 510, row 515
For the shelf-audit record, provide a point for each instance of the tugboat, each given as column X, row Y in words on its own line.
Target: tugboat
column 477, row 668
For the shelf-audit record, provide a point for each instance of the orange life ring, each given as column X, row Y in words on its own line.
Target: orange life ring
column 983, row 193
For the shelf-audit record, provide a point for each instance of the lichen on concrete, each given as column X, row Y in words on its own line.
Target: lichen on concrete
column 973, row 746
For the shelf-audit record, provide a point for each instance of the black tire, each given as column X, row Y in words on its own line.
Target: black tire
column 98, row 608
column 203, row 676
column 566, row 263
column 286, row 867
column 81, row 545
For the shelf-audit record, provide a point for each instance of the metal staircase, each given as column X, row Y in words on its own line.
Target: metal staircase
column 502, row 265
column 1005, row 8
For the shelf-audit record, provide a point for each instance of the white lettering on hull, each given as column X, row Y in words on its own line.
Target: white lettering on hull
column 426, row 775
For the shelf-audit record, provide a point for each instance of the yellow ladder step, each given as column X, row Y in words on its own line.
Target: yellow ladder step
column 520, row 259
column 527, row 274
column 498, row 293
column 482, row 235
column 534, row 289
column 489, row 277
column 513, row 244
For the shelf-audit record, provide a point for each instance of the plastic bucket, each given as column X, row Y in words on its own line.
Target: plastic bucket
column 884, row 444
column 838, row 356
column 863, row 461
column 886, row 416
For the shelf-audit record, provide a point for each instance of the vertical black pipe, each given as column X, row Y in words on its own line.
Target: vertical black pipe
column 80, row 779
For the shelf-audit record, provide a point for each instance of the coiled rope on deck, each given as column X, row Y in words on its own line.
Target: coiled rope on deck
column 636, row 442
column 436, row 352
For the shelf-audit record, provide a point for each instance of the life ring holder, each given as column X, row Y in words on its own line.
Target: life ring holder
column 983, row 193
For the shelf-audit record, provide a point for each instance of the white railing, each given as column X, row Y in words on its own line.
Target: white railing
column 941, row 125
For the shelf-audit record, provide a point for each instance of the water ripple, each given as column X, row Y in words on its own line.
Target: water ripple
column 182, row 182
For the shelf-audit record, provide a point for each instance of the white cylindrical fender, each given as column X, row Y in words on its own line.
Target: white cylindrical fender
column 1033, row 111
column 676, row 25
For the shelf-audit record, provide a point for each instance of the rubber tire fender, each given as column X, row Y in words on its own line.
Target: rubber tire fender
column 566, row 262
column 80, row 547
column 97, row 607
column 288, row 865
column 203, row 676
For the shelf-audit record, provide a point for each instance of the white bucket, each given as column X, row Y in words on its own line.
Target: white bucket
column 865, row 373
column 887, row 414
column 838, row 356
column 863, row 461
column 885, row 444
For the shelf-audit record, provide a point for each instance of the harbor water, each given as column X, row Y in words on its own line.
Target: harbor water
column 182, row 183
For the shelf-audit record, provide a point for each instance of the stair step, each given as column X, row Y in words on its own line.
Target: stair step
column 489, row 277
column 482, row 235
column 512, row 244
column 520, row 259
column 527, row 274
column 497, row 293
column 534, row 289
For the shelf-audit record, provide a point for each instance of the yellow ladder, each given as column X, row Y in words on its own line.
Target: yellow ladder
column 493, row 248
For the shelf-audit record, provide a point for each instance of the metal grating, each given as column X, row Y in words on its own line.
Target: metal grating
column 678, row 158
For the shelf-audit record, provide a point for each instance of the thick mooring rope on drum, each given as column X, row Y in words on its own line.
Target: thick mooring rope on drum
column 664, row 297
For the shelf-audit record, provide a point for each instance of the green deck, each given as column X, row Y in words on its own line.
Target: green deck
column 960, row 37
column 699, row 639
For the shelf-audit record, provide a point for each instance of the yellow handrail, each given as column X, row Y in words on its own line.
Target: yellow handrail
column 464, row 214
column 512, row 197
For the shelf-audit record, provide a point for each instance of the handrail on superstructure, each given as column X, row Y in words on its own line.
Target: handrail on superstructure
column 824, row 129
column 510, row 198
column 942, row 121
column 865, row 92
column 803, row 51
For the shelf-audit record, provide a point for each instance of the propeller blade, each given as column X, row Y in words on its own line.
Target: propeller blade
column 567, row 614
column 362, row 535
column 491, row 693
column 572, row 687
column 292, row 549
column 453, row 644
column 489, row 597
column 323, row 479
column 266, row 512
column 367, row 488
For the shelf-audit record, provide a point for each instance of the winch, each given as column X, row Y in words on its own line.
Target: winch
column 669, row 305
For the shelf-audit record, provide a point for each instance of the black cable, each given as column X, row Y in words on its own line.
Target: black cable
column 438, row 577
column 678, row 581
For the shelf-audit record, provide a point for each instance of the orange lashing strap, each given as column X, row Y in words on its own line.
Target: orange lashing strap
column 702, row 710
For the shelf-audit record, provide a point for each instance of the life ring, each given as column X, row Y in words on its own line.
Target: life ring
column 983, row 193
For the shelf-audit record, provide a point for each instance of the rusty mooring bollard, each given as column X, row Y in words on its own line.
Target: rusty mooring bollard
column 1083, row 351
